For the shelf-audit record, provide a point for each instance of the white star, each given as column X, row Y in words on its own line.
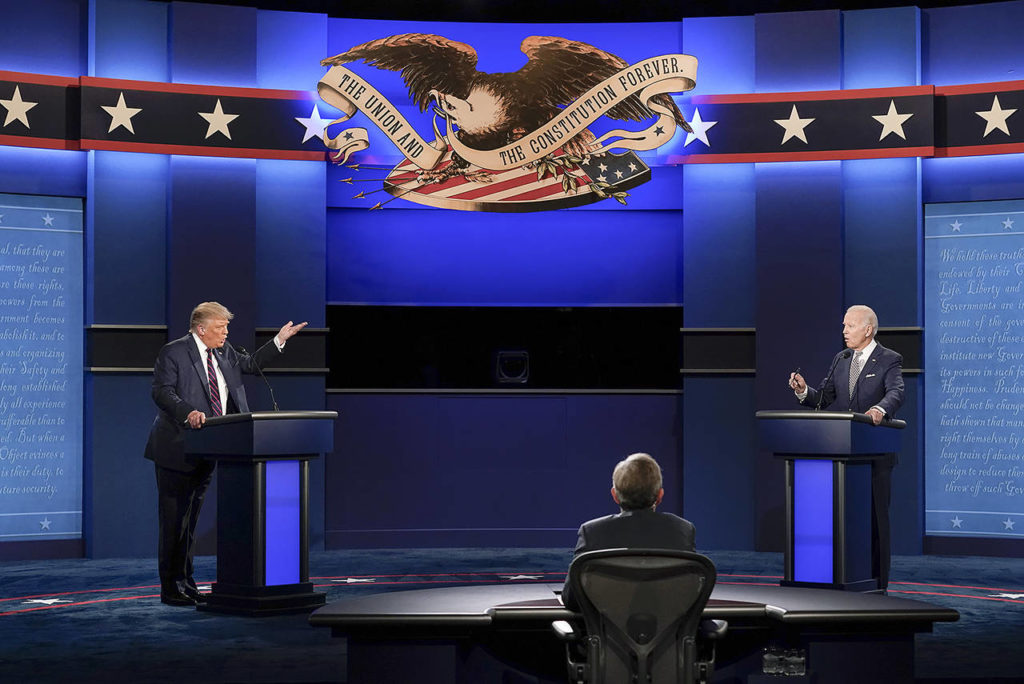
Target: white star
column 602, row 168
column 892, row 121
column 618, row 174
column 218, row 121
column 1008, row 524
column 44, row 524
column 47, row 602
column 700, row 129
column 955, row 225
column 586, row 159
column 794, row 126
column 48, row 220
column 602, row 178
column 996, row 118
column 1009, row 596
column 521, row 577
column 1008, row 224
column 17, row 109
column 632, row 167
column 355, row 580
column 121, row 115
column 957, row 522
column 314, row 124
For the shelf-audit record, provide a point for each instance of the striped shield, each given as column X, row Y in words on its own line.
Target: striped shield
column 529, row 188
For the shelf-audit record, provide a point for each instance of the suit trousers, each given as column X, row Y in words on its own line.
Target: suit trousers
column 180, row 500
column 881, row 493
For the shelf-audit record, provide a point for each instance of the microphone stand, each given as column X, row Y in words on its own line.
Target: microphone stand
column 242, row 350
column 845, row 354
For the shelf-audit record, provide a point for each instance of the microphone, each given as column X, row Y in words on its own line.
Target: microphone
column 241, row 350
column 845, row 354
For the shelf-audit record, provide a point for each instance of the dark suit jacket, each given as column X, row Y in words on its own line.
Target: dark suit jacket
column 880, row 384
column 642, row 529
column 180, row 386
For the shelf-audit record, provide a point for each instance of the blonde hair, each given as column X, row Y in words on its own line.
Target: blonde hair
column 637, row 481
column 208, row 311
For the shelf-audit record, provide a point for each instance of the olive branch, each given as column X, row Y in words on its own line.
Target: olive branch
column 572, row 176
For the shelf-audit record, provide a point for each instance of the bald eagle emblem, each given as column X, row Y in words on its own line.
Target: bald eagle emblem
column 516, row 141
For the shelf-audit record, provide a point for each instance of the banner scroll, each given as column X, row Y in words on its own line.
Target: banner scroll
column 673, row 73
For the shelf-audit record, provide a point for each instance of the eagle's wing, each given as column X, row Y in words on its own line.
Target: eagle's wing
column 560, row 70
column 427, row 62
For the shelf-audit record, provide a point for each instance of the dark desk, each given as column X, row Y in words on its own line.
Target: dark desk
column 480, row 634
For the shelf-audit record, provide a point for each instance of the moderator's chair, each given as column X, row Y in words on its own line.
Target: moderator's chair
column 642, row 615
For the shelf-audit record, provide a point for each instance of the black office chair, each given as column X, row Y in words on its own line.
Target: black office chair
column 642, row 613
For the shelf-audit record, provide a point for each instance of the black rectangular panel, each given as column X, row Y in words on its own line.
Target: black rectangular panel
column 405, row 347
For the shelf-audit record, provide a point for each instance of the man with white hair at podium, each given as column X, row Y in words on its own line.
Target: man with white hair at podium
column 864, row 378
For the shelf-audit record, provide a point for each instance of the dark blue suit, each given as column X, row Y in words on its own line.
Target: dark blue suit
column 880, row 383
column 639, row 529
column 180, row 386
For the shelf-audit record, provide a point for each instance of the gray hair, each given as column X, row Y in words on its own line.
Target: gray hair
column 637, row 481
column 867, row 315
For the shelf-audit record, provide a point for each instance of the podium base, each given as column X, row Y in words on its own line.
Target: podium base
column 861, row 586
column 278, row 599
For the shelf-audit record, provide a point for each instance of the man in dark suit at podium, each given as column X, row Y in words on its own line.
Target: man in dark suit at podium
column 864, row 378
column 194, row 377
column 636, row 488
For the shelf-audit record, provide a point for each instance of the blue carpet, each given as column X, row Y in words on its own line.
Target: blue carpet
column 102, row 620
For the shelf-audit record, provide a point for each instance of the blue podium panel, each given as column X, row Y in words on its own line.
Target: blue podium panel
column 812, row 521
column 283, row 494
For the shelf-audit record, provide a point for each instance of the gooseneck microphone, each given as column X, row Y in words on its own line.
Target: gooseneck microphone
column 845, row 354
column 241, row 350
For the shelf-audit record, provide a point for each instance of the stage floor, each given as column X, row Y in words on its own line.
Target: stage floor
column 103, row 620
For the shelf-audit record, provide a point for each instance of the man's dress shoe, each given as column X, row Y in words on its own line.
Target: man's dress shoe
column 193, row 593
column 176, row 598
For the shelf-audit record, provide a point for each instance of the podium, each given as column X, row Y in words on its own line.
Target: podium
column 263, row 507
column 829, row 458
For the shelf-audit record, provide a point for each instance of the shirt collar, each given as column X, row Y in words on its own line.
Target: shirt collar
column 202, row 346
column 867, row 351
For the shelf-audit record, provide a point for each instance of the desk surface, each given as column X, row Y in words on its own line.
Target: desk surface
column 507, row 604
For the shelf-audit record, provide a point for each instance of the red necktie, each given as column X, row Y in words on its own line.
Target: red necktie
column 211, row 373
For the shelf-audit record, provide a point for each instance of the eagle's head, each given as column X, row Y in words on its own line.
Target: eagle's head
column 483, row 112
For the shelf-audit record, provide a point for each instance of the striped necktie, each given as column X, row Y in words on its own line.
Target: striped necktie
column 854, row 371
column 211, row 373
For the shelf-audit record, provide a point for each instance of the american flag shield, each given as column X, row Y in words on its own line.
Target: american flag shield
column 527, row 188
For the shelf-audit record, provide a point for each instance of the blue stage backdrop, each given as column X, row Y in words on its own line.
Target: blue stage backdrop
column 40, row 368
column 974, row 342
